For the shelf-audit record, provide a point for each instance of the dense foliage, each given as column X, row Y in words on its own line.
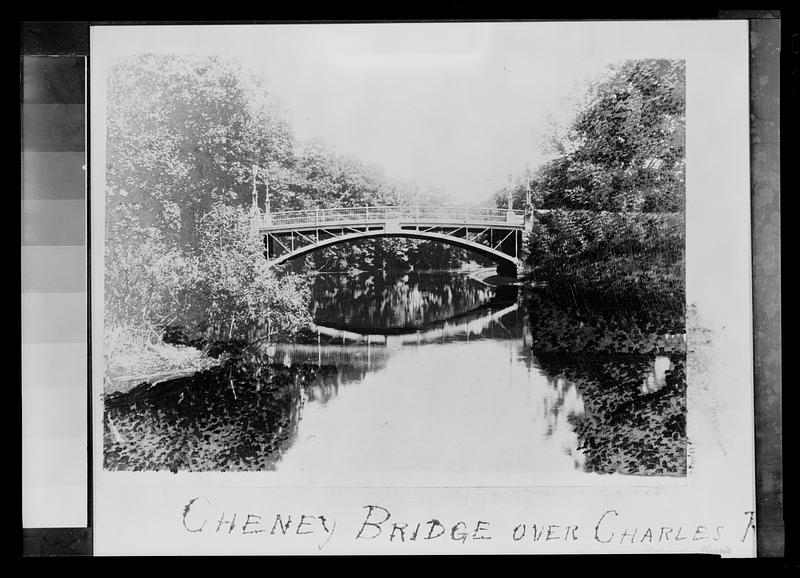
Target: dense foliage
column 610, row 249
column 624, row 150
column 183, row 133
column 616, row 182
column 238, row 291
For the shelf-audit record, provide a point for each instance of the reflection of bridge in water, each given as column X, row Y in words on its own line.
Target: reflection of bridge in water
column 461, row 328
column 355, row 353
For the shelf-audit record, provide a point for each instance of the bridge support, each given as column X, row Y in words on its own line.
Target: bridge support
column 509, row 246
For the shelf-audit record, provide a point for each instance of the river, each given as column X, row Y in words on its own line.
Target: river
column 423, row 378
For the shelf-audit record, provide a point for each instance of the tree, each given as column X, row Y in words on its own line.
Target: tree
column 183, row 133
column 624, row 151
column 616, row 184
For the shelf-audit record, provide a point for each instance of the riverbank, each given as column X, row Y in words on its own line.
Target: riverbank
column 239, row 416
column 133, row 358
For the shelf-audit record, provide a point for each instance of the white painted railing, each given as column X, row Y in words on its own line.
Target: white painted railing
column 412, row 214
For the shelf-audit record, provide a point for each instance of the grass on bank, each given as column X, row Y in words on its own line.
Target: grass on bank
column 133, row 356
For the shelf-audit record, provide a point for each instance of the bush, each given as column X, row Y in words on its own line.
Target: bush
column 238, row 294
column 603, row 247
column 223, row 289
column 148, row 284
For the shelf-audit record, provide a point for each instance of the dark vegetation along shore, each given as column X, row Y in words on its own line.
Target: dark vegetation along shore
column 629, row 366
column 238, row 416
column 609, row 248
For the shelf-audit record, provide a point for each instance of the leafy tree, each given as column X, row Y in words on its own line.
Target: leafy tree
column 616, row 184
column 624, row 151
column 183, row 133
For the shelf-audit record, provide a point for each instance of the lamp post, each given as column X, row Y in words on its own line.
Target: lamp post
column 254, row 204
column 529, row 216
column 528, row 206
column 256, row 218
column 266, row 195
column 510, row 200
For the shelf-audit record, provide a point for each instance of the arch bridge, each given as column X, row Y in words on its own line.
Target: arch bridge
column 495, row 233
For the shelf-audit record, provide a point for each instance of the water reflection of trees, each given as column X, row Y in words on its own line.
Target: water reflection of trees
column 379, row 301
column 239, row 416
column 559, row 412
column 626, row 359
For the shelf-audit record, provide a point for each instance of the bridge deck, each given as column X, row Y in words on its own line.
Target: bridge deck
column 404, row 215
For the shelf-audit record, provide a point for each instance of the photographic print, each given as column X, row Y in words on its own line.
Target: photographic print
column 395, row 255
column 273, row 302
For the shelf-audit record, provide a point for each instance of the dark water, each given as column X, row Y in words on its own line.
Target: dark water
column 428, row 378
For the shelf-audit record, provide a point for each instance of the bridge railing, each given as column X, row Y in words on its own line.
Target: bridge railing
column 416, row 214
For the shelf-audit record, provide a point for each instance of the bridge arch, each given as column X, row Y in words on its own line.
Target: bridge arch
column 496, row 255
